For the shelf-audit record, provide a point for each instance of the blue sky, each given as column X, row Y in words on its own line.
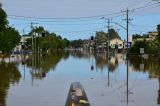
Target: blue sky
column 80, row 19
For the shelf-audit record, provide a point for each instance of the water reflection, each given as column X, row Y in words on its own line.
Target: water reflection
column 41, row 64
column 112, row 61
column 158, row 97
column 9, row 74
column 112, row 80
column 150, row 66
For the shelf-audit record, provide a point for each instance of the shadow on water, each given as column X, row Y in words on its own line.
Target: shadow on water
column 9, row 74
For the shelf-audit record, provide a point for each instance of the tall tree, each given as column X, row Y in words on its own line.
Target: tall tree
column 9, row 37
column 113, row 34
column 101, row 37
column 3, row 18
column 46, row 43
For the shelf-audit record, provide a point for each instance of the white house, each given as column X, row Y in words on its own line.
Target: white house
column 116, row 42
column 22, row 41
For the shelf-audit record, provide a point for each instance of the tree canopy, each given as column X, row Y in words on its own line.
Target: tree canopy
column 45, row 40
column 103, row 37
column 9, row 37
column 158, row 30
column 3, row 19
column 135, row 36
column 113, row 34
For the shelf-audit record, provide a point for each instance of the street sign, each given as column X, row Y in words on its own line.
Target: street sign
column 141, row 50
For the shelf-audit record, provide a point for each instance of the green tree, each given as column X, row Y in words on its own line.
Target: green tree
column 100, row 37
column 139, row 44
column 158, row 30
column 76, row 43
column 3, row 19
column 49, row 42
column 103, row 37
column 113, row 34
column 9, row 37
column 135, row 36
column 149, row 47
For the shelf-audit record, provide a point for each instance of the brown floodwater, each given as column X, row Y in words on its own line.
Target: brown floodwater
column 44, row 80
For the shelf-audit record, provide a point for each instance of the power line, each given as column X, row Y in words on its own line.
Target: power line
column 56, row 20
column 144, row 6
column 135, row 29
column 65, row 24
column 118, row 14
column 142, row 25
column 134, row 3
column 144, row 10
column 96, row 16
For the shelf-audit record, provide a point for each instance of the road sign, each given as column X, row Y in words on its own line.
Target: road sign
column 141, row 50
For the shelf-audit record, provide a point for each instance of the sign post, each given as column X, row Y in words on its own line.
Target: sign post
column 142, row 64
column 141, row 50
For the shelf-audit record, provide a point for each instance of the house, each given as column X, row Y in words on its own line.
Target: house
column 19, row 47
column 153, row 35
column 116, row 43
column 88, row 44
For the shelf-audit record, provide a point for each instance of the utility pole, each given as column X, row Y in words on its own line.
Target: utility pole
column 108, row 49
column 127, row 22
column 108, row 33
column 127, row 29
column 108, row 36
column 32, row 36
column 127, row 32
column 108, row 43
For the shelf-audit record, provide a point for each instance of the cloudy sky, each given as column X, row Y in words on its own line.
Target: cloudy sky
column 76, row 19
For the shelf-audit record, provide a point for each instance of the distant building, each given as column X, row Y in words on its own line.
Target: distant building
column 23, row 39
column 88, row 44
column 116, row 43
column 153, row 35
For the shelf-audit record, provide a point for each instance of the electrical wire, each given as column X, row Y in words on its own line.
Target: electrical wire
column 96, row 16
column 142, row 7
column 51, row 21
column 135, row 3
column 134, row 28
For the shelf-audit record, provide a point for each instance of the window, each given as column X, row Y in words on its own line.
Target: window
column 120, row 45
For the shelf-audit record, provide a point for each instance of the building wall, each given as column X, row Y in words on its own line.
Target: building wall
column 153, row 35
column 115, row 42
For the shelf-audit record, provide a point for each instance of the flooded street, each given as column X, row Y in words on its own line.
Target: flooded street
column 45, row 80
